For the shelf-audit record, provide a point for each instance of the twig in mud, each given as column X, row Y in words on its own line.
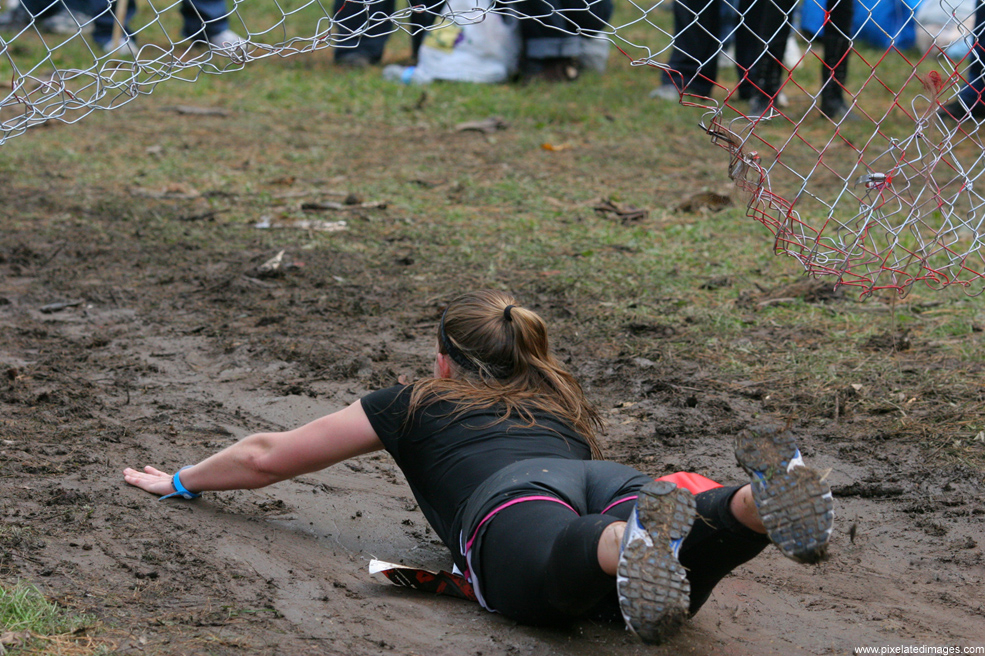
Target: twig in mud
column 486, row 125
column 873, row 307
column 171, row 192
column 222, row 284
column 284, row 195
column 204, row 216
column 684, row 387
column 259, row 283
column 750, row 383
column 190, row 110
column 311, row 192
column 341, row 207
column 775, row 301
column 626, row 213
column 58, row 307
column 53, row 255
column 902, row 412
column 944, row 443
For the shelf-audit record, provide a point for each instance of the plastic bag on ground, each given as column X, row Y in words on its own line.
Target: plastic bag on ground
column 469, row 45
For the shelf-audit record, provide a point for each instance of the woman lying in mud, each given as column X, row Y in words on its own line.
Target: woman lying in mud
column 500, row 450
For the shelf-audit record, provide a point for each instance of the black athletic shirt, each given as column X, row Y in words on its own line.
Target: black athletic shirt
column 446, row 454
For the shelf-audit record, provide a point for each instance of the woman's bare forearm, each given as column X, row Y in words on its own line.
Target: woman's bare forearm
column 265, row 458
column 238, row 467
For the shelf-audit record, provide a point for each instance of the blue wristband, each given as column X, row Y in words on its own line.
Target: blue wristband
column 179, row 489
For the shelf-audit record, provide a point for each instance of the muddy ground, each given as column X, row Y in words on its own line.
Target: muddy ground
column 169, row 348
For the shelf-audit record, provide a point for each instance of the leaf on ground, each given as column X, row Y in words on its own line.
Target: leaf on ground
column 191, row 110
column 266, row 222
column 626, row 213
column 486, row 125
column 14, row 639
column 173, row 191
column 809, row 290
column 706, row 200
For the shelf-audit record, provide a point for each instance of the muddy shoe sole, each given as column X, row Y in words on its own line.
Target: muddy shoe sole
column 654, row 592
column 794, row 503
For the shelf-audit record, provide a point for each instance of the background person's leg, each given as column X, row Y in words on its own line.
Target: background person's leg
column 971, row 94
column 551, row 30
column 837, row 50
column 208, row 16
column 694, row 59
column 41, row 9
column 969, row 102
column 105, row 18
column 420, row 22
column 362, row 29
column 769, row 21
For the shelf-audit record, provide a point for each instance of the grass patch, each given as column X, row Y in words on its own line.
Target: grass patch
column 33, row 625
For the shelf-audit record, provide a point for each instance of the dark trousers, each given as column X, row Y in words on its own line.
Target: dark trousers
column 204, row 18
column 697, row 41
column 971, row 94
column 552, row 26
column 538, row 561
column 363, row 27
column 760, row 40
column 44, row 8
column 837, row 47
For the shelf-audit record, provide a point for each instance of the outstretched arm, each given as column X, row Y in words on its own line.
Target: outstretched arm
column 266, row 458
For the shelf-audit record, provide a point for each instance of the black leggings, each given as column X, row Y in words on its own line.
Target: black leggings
column 538, row 562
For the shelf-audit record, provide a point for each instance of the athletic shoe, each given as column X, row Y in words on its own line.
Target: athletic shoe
column 759, row 107
column 551, row 69
column 67, row 22
column 654, row 592
column 227, row 40
column 666, row 92
column 794, row 503
column 594, row 54
column 15, row 18
column 353, row 60
column 127, row 48
column 834, row 108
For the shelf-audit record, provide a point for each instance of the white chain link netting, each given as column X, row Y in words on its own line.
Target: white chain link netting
column 852, row 126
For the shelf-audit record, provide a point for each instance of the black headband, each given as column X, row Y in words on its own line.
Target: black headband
column 453, row 351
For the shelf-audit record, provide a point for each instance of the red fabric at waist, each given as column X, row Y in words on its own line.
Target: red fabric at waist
column 696, row 483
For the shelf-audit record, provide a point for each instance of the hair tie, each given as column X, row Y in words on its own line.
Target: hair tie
column 507, row 314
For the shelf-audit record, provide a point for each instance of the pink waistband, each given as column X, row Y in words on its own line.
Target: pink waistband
column 616, row 503
column 468, row 545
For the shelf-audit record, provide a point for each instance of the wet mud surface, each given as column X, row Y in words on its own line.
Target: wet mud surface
column 163, row 352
